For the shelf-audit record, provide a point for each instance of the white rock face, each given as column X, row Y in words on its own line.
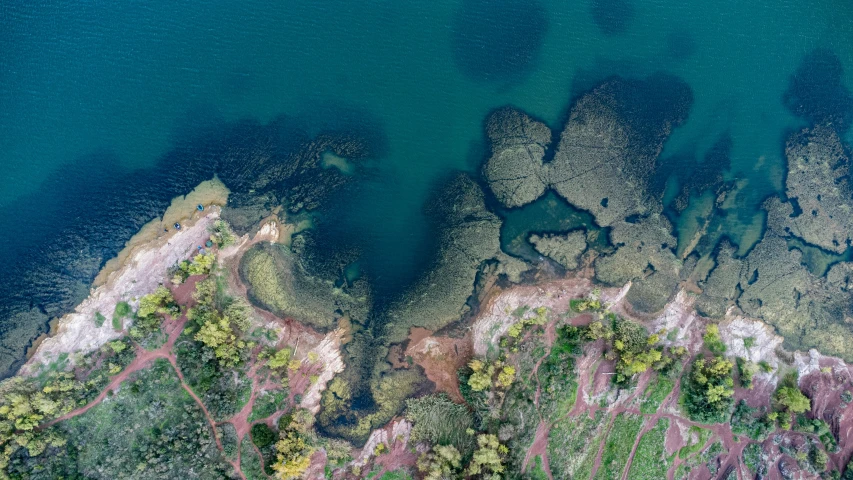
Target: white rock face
column 397, row 431
column 329, row 353
column 143, row 271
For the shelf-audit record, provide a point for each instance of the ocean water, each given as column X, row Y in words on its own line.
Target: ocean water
column 95, row 94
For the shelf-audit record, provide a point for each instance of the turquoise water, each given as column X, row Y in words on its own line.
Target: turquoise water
column 124, row 80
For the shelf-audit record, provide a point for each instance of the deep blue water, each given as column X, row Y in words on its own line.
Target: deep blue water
column 99, row 99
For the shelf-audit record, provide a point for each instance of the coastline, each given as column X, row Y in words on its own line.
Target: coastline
column 134, row 272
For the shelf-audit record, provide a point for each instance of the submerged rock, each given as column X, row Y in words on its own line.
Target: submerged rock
column 514, row 171
column 563, row 249
column 468, row 236
column 280, row 280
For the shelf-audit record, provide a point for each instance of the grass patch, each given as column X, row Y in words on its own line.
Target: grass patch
column 267, row 403
column 698, row 438
column 537, row 471
column 650, row 462
column 250, row 462
column 655, row 394
column 573, row 445
column 618, row 445
column 439, row 421
column 752, row 457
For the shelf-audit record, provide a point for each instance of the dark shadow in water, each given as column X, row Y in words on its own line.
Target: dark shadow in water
column 84, row 213
column 816, row 91
column 613, row 17
column 498, row 41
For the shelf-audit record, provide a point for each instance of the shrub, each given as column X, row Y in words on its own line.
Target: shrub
column 713, row 341
column 99, row 319
column 262, row 435
column 793, row 400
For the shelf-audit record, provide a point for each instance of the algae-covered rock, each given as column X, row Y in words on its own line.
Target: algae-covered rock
column 818, row 181
column 468, row 235
column 514, row 171
column 806, row 310
column 644, row 255
column 720, row 288
column 563, row 249
column 278, row 280
column 606, row 159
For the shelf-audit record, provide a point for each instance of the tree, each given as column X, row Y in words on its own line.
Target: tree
column 489, row 458
column 793, row 400
column 159, row 302
column 280, row 359
column 442, row 463
column 481, row 376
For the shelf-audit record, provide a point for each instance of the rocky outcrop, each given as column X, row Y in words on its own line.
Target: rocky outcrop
column 644, row 256
column 468, row 236
column 515, row 170
column 818, row 182
column 563, row 249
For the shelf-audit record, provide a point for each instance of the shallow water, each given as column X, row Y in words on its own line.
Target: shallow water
column 91, row 92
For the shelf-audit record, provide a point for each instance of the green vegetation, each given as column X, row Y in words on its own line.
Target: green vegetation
column 617, row 447
column 267, row 403
column 712, row 339
column 152, row 308
column 228, row 437
column 746, row 371
column 753, row 457
column 220, row 327
column 708, row 389
column 443, row 461
column 438, row 421
column 221, row 234
column 537, row 470
column 489, row 458
column 573, row 445
column 744, row 421
column 697, row 439
column 99, row 319
column 121, row 312
column 201, row 264
column 250, row 461
column 262, row 435
column 656, row 392
column 149, row 429
column 792, row 400
column 650, row 461
column 818, row 428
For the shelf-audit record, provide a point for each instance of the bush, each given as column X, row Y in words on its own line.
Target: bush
column 793, row 400
column 713, row 341
column 744, row 422
column 262, row 435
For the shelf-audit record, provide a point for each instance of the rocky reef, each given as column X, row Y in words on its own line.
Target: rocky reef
column 468, row 236
column 563, row 249
column 515, row 171
column 818, row 183
column 279, row 279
